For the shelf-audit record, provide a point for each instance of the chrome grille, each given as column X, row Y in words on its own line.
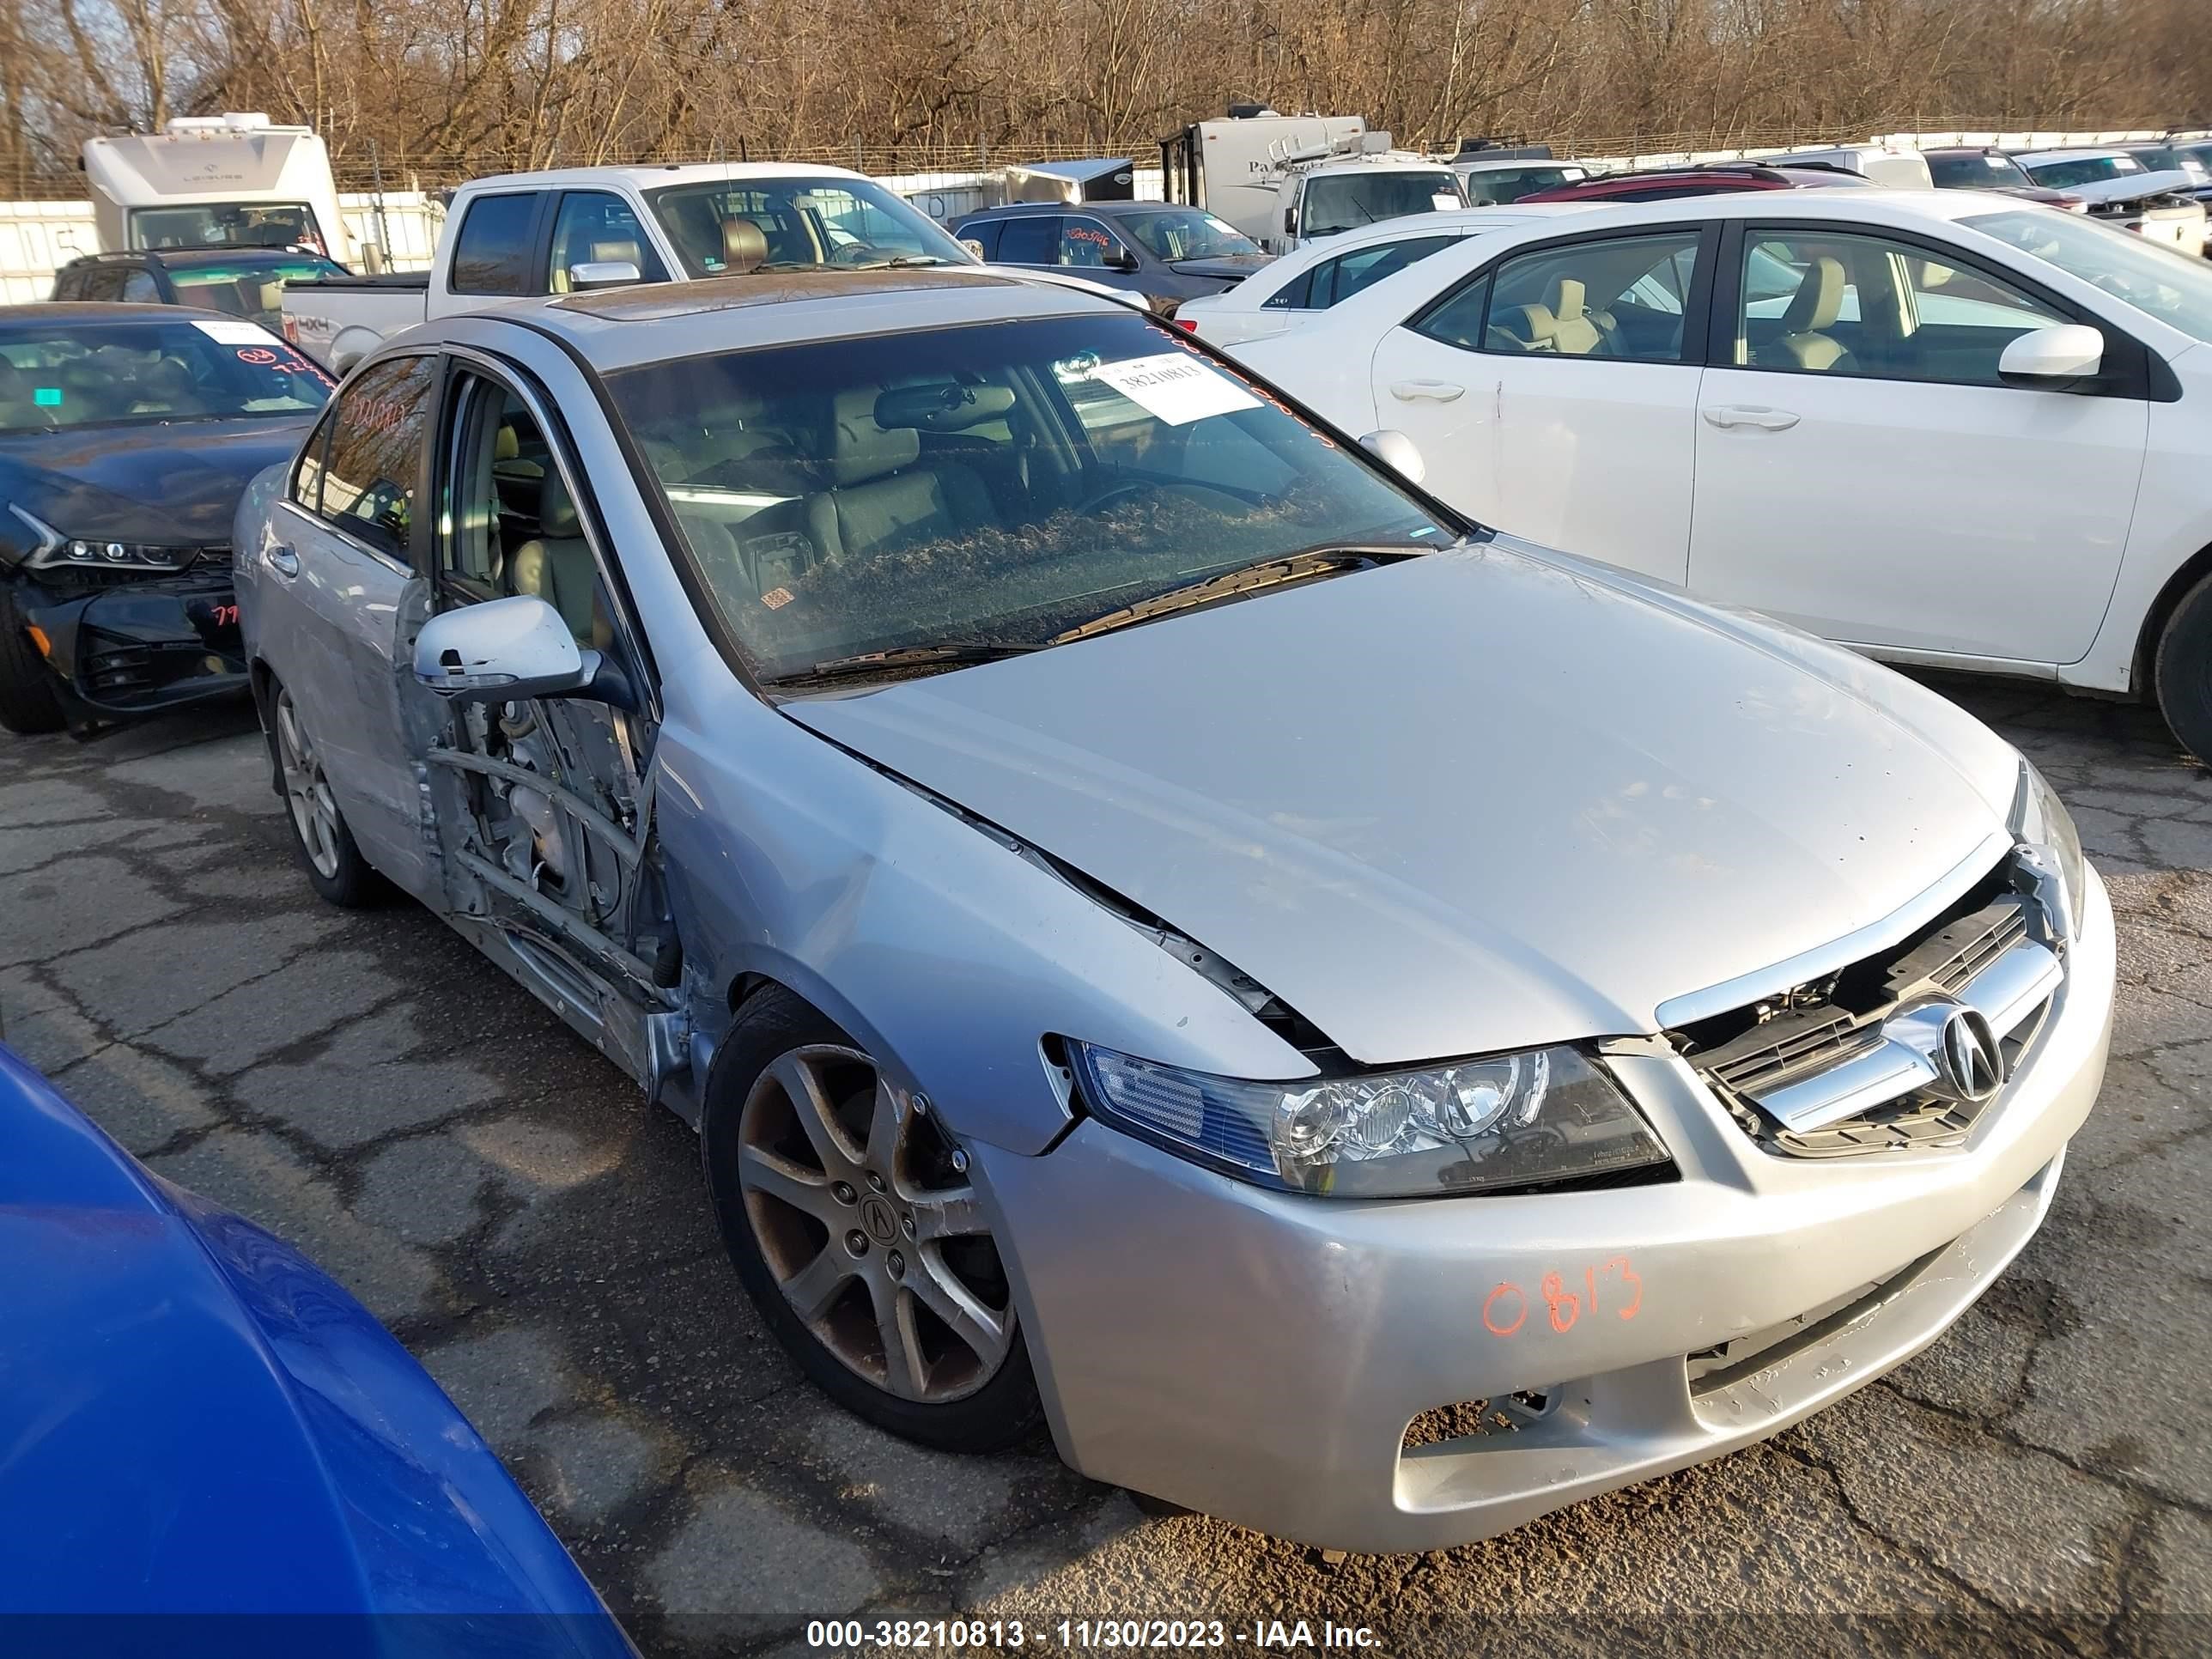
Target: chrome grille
column 1841, row 1067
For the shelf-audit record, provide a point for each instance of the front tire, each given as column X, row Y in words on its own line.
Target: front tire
column 30, row 700
column 2181, row 671
column 848, row 1216
column 336, row 869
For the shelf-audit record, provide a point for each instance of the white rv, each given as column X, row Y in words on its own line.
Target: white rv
column 212, row 181
column 1286, row 179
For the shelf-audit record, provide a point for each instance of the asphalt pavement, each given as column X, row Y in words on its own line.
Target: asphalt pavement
column 366, row 1086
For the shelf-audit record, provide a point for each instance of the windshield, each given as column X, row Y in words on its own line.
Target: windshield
column 1492, row 186
column 146, row 373
column 252, row 288
column 994, row 483
column 1186, row 233
column 852, row 222
column 228, row 224
column 1976, row 171
column 2171, row 287
column 2086, row 170
column 1345, row 201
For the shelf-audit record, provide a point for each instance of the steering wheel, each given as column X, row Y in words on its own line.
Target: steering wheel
column 1112, row 492
column 854, row 253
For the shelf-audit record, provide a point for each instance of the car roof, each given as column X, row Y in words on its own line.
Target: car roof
column 620, row 328
column 653, row 178
column 220, row 253
column 1104, row 209
column 2099, row 153
column 97, row 313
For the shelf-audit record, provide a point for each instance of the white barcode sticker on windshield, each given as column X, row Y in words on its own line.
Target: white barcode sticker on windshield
column 1444, row 202
column 1175, row 387
column 229, row 333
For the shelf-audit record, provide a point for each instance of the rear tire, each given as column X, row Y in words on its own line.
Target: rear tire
column 30, row 700
column 850, row 1222
column 335, row 867
column 2181, row 671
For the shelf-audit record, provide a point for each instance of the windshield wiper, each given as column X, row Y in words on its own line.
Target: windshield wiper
column 1246, row 579
column 951, row 654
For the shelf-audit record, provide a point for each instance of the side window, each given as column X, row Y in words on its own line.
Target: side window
column 375, row 452
column 595, row 227
column 1335, row 281
column 506, row 525
column 984, row 232
column 1292, row 296
column 1029, row 240
column 306, row 489
column 139, row 287
column 1623, row 298
column 70, row 284
column 1864, row 306
column 1087, row 243
column 103, row 283
column 492, row 252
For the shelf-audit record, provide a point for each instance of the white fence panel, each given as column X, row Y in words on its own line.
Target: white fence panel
column 404, row 223
column 37, row 238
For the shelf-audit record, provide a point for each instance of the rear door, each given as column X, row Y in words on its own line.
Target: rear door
column 498, row 251
column 1553, row 392
column 1863, row 472
column 340, row 588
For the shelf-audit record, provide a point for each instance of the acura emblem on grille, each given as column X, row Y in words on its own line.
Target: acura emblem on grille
column 1971, row 1062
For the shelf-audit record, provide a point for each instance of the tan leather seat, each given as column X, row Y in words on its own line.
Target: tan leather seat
column 745, row 246
column 1815, row 306
column 556, row 566
column 1573, row 333
column 880, row 500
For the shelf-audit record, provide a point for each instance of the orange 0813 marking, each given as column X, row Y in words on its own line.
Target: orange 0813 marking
column 1562, row 1305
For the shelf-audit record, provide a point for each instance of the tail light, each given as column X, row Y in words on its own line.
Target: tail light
column 291, row 330
column 1185, row 324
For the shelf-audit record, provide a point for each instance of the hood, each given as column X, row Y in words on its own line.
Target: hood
column 2134, row 186
column 1225, row 267
column 1470, row 801
column 200, row 1421
column 176, row 483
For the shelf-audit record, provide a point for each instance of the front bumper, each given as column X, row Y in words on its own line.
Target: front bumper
column 138, row 646
column 1259, row 1356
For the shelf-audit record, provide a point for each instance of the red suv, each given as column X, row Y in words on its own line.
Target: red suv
column 1663, row 183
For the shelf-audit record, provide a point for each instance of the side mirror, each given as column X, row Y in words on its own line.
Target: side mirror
column 1290, row 222
column 603, row 273
column 1397, row 451
column 973, row 247
column 2064, row 351
column 503, row 651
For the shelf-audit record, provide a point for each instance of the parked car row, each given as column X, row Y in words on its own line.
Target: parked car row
column 1031, row 788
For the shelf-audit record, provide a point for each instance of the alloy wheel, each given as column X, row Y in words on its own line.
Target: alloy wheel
column 314, row 812
column 864, row 1214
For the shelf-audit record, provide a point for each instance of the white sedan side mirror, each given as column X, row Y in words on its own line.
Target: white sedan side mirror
column 1397, row 451
column 503, row 651
column 2064, row 351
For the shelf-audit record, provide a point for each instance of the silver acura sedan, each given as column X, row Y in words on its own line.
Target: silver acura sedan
column 1365, row 1027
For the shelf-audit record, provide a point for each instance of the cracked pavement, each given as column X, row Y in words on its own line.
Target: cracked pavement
column 366, row 1086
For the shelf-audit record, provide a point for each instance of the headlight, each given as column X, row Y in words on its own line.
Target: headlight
column 1526, row 1119
column 2050, row 850
column 55, row 551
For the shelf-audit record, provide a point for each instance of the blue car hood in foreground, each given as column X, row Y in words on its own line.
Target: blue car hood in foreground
column 194, row 1420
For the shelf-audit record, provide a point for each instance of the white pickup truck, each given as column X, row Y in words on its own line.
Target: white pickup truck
column 520, row 235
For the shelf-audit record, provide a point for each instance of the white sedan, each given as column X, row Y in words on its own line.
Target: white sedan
column 1301, row 285
column 1946, row 427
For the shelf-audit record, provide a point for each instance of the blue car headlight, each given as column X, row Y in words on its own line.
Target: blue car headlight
column 1534, row 1119
column 2050, row 850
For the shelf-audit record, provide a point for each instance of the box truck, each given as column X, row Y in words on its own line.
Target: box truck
column 215, row 180
column 1284, row 180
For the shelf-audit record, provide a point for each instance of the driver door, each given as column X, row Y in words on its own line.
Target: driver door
column 544, row 806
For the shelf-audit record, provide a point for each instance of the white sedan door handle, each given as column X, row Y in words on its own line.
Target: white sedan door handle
column 1725, row 415
column 1435, row 392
